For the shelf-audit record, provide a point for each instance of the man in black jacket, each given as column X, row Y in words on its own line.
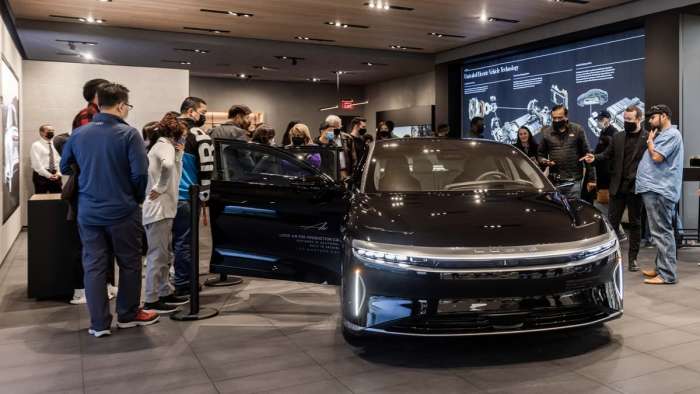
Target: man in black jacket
column 563, row 143
column 624, row 153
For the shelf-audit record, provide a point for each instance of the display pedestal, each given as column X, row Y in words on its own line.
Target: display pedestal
column 223, row 280
column 53, row 248
column 195, row 312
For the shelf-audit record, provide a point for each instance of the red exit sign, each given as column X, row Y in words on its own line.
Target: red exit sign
column 347, row 104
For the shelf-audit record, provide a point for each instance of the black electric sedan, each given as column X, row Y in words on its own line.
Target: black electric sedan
column 434, row 237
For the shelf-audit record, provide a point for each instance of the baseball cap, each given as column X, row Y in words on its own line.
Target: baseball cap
column 604, row 114
column 659, row 109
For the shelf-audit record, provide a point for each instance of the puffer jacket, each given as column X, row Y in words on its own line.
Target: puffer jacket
column 565, row 149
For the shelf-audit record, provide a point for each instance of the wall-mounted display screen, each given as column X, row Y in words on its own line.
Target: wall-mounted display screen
column 587, row 76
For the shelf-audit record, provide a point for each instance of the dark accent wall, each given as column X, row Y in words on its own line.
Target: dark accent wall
column 662, row 67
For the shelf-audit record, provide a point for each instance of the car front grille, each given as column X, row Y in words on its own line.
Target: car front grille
column 466, row 323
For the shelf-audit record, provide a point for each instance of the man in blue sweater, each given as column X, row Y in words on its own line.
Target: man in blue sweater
column 113, row 166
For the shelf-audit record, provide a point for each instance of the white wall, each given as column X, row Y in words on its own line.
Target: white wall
column 13, row 225
column 398, row 94
column 280, row 101
column 53, row 94
column 690, row 96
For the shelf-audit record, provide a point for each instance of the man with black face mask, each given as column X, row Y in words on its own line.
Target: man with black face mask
column 476, row 127
column 359, row 129
column 197, row 168
column 624, row 154
column 45, row 160
column 563, row 143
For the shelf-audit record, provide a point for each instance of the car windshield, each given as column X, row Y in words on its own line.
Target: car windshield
column 427, row 165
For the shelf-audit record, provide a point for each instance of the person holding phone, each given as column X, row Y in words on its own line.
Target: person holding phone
column 659, row 181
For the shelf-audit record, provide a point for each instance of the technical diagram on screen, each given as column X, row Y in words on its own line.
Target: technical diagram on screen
column 605, row 73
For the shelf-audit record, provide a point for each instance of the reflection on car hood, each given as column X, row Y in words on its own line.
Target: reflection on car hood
column 474, row 218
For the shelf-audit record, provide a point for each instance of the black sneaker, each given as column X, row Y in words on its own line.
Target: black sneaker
column 175, row 300
column 184, row 291
column 633, row 266
column 159, row 307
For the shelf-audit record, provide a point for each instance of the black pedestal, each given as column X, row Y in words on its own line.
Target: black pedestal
column 53, row 248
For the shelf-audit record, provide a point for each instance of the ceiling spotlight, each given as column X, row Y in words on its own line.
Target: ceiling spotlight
column 314, row 79
column 228, row 12
column 483, row 17
column 345, row 25
column 88, row 56
column 445, row 35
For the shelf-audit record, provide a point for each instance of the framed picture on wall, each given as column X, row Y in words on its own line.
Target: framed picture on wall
column 9, row 110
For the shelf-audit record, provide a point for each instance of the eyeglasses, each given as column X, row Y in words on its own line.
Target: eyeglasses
column 129, row 105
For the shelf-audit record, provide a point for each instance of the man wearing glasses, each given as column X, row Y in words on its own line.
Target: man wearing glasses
column 659, row 181
column 112, row 184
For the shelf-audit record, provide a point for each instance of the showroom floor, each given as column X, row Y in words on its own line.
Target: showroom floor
column 275, row 336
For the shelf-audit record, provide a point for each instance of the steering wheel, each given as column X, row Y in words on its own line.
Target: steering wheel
column 497, row 175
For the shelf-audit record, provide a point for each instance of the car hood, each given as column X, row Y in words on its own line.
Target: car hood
column 475, row 219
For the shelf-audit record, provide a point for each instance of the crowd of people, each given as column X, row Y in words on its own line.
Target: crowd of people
column 124, row 183
column 637, row 170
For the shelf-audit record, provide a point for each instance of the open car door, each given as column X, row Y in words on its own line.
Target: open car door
column 276, row 212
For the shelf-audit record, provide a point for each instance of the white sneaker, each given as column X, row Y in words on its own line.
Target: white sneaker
column 112, row 291
column 78, row 297
column 99, row 334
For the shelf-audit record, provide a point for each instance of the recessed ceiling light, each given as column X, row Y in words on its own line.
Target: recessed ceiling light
column 88, row 19
column 345, row 25
column 306, row 38
column 243, row 76
column 266, row 68
column 87, row 56
column 192, row 50
column 314, row 79
column 295, row 60
column 405, row 48
column 228, row 12
column 445, row 35
column 180, row 62
column 215, row 31
column 384, row 6
column 373, row 64
column 504, row 20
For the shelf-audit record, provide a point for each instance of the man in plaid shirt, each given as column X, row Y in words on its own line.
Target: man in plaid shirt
column 90, row 93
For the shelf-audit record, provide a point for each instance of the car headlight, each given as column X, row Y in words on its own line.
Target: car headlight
column 379, row 257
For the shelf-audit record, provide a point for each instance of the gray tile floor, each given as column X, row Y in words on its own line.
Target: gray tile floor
column 283, row 337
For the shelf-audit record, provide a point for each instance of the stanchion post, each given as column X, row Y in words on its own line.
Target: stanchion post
column 195, row 313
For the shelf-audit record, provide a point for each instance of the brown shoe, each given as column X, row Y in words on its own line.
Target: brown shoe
column 649, row 273
column 657, row 280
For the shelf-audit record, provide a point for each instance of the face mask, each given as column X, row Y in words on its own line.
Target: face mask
column 559, row 125
column 337, row 131
column 330, row 135
column 201, row 122
column 298, row 141
column 49, row 135
column 363, row 131
column 630, row 127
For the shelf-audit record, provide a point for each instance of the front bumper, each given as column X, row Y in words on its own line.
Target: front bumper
column 461, row 302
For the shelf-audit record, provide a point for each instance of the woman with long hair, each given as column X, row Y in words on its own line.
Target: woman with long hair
column 286, row 140
column 526, row 143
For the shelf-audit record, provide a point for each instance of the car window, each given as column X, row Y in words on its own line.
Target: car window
column 405, row 166
column 242, row 162
column 321, row 158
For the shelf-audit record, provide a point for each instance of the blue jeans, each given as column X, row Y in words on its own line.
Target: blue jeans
column 574, row 191
column 182, row 236
column 660, row 211
column 124, row 239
